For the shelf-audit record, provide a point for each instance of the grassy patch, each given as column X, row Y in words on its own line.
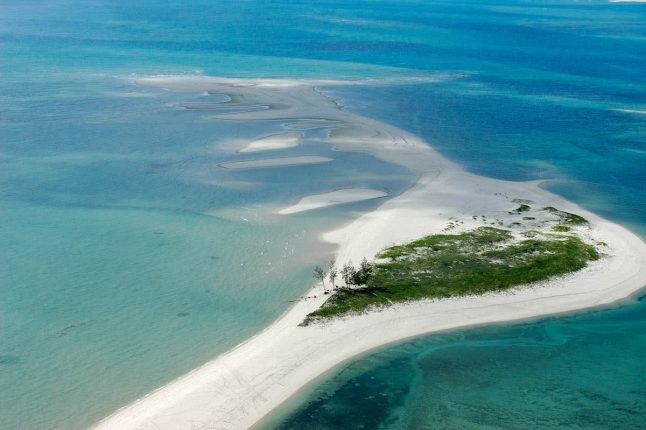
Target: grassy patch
column 446, row 265
column 561, row 228
column 567, row 217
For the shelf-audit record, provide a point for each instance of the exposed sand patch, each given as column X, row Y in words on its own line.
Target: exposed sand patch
column 266, row 163
column 337, row 197
column 273, row 142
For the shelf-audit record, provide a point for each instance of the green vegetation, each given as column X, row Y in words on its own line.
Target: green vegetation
column 567, row 217
column 522, row 208
column 482, row 260
column 561, row 228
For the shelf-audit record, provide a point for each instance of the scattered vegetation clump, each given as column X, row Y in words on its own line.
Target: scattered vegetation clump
column 525, row 201
column 561, row 228
column 485, row 259
column 567, row 217
column 530, row 233
column 522, row 208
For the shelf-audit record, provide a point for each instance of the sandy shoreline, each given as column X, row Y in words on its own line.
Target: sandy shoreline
column 237, row 389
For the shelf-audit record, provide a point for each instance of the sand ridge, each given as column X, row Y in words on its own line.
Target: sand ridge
column 265, row 163
column 272, row 142
column 338, row 197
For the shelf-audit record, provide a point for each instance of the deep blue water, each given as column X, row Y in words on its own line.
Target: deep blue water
column 128, row 259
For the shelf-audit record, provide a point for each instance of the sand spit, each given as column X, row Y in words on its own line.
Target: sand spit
column 338, row 197
column 273, row 142
column 266, row 163
column 239, row 388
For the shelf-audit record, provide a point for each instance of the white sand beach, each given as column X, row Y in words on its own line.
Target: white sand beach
column 338, row 197
column 239, row 388
column 274, row 142
column 275, row 162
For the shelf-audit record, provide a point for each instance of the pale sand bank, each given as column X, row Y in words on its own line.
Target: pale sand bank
column 237, row 389
column 273, row 142
column 275, row 162
column 338, row 197
column 633, row 111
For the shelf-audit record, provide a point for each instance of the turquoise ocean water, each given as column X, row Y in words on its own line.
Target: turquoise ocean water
column 128, row 258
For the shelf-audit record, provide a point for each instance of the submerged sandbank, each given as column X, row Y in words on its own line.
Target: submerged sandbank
column 237, row 389
column 275, row 162
column 633, row 111
column 338, row 197
column 273, row 142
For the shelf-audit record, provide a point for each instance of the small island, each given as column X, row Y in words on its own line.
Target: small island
column 477, row 261
column 454, row 250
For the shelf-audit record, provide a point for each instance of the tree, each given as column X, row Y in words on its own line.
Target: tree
column 332, row 274
column 348, row 273
column 319, row 274
column 362, row 275
column 366, row 270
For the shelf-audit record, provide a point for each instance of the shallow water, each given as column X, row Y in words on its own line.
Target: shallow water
column 583, row 372
column 129, row 258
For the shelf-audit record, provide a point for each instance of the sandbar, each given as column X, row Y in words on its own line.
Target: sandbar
column 338, row 197
column 273, row 142
column 276, row 162
column 240, row 387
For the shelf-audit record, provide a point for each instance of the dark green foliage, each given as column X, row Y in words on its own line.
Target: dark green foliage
column 474, row 262
column 567, row 217
column 361, row 276
column 522, row 208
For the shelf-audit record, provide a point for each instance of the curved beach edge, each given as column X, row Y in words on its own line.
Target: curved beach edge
column 239, row 388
